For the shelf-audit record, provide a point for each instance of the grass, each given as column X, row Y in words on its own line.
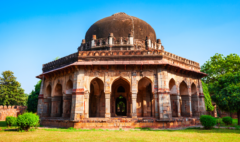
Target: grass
column 71, row 134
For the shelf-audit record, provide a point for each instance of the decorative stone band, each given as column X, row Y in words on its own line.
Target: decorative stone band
column 163, row 91
column 40, row 96
column 78, row 91
column 201, row 95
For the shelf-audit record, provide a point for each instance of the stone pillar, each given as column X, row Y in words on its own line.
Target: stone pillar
column 201, row 103
column 77, row 111
column 134, row 91
column 178, row 105
column 40, row 100
column 190, row 106
column 67, row 103
column 86, row 104
column 107, row 105
column 156, row 105
column 164, row 101
column 195, row 105
column 47, row 107
column 134, row 105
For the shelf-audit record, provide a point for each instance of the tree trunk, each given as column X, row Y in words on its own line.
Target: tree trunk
column 238, row 115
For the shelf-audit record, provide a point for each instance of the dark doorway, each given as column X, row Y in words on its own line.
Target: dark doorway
column 121, row 106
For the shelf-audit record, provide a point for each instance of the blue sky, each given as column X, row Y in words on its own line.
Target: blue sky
column 35, row 32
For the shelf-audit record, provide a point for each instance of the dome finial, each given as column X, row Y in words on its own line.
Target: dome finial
column 119, row 13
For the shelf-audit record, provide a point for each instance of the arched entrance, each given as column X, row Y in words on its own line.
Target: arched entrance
column 121, row 106
column 173, row 97
column 67, row 99
column 194, row 100
column 120, row 98
column 145, row 101
column 96, row 99
column 184, row 102
column 57, row 101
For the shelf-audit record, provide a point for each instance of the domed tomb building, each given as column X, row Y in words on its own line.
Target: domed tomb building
column 121, row 76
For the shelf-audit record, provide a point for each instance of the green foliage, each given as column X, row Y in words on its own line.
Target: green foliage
column 223, row 81
column 33, row 98
column 27, row 120
column 207, row 99
column 227, row 120
column 217, row 66
column 227, row 92
column 208, row 121
column 10, row 120
column 11, row 92
column 56, row 58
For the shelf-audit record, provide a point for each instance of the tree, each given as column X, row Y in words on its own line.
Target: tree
column 227, row 93
column 207, row 98
column 217, row 66
column 11, row 92
column 32, row 101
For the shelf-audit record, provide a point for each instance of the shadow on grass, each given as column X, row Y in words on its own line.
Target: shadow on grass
column 196, row 130
column 3, row 127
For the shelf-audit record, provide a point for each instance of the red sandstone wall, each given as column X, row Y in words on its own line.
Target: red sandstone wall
column 11, row 111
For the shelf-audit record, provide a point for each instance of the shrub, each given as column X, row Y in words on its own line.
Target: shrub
column 227, row 120
column 27, row 120
column 10, row 120
column 208, row 121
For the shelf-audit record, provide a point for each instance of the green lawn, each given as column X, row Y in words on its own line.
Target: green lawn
column 43, row 135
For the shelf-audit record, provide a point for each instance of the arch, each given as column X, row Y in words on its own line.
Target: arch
column 48, row 91
column 120, row 88
column 172, row 86
column 194, row 99
column 96, row 98
column 183, row 88
column 58, row 90
column 69, row 87
column 57, row 101
column 120, row 77
column 193, row 89
column 95, row 78
column 173, row 97
column 145, row 107
column 184, row 101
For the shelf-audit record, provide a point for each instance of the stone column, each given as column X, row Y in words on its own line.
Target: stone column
column 156, row 105
column 40, row 100
column 164, row 101
column 190, row 106
column 47, row 107
column 134, row 91
column 178, row 106
column 194, row 105
column 107, row 105
column 201, row 103
column 77, row 111
column 86, row 104
column 67, row 102
column 134, row 106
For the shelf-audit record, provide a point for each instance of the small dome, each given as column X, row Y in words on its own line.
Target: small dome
column 121, row 24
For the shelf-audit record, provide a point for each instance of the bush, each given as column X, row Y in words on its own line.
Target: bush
column 208, row 121
column 10, row 120
column 27, row 120
column 227, row 120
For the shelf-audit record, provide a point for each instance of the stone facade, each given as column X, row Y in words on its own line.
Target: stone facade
column 11, row 111
column 111, row 80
